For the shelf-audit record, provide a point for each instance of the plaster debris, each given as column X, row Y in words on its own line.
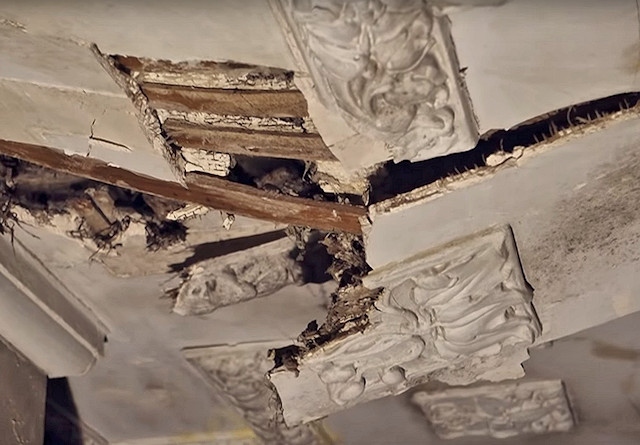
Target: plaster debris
column 98, row 215
column 218, row 164
column 347, row 312
column 187, row 212
column 228, row 220
column 165, row 234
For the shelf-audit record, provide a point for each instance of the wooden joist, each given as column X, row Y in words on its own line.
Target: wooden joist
column 271, row 144
column 205, row 190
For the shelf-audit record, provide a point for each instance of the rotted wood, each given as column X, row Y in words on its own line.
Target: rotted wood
column 221, row 101
column 205, row 190
column 273, row 144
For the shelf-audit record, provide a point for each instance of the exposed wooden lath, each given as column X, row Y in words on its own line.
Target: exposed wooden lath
column 229, row 108
column 271, row 144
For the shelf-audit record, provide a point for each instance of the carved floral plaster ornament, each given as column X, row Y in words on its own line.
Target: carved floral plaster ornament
column 498, row 411
column 457, row 314
column 230, row 279
column 390, row 68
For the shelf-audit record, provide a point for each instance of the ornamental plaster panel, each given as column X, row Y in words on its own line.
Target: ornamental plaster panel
column 240, row 276
column 498, row 411
column 238, row 373
column 391, row 71
column 457, row 314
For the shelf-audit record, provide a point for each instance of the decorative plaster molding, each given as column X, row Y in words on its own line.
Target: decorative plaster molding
column 40, row 317
column 458, row 314
column 498, row 411
column 240, row 276
column 238, row 373
column 391, row 70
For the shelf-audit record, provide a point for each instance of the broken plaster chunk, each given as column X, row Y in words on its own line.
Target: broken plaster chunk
column 457, row 314
column 239, row 276
column 187, row 212
column 333, row 178
column 229, row 219
column 500, row 411
column 499, row 158
column 219, row 164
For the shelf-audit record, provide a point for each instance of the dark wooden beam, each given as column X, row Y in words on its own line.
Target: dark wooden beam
column 206, row 190
column 272, row 144
column 221, row 101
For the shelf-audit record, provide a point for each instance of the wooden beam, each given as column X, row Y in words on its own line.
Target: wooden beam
column 205, row 190
column 272, row 144
column 221, row 101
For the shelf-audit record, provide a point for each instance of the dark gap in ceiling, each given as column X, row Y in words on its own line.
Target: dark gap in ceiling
column 405, row 176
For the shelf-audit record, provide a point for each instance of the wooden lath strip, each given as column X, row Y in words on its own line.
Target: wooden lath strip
column 272, row 144
column 207, row 74
column 256, row 103
column 201, row 189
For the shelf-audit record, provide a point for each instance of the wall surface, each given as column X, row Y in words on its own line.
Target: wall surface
column 23, row 390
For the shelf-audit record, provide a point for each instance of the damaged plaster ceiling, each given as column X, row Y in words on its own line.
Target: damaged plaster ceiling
column 276, row 178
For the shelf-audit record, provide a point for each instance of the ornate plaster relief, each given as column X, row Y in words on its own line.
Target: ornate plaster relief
column 457, row 314
column 238, row 373
column 240, row 276
column 390, row 69
column 498, row 411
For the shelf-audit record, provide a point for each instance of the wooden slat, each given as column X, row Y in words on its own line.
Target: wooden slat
column 205, row 190
column 272, row 144
column 256, row 103
column 208, row 74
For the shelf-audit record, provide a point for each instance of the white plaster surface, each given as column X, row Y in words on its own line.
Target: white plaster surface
column 524, row 58
column 42, row 319
column 220, row 30
column 55, row 93
column 575, row 215
column 144, row 388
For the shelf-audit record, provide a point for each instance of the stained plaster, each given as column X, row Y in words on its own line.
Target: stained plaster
column 574, row 216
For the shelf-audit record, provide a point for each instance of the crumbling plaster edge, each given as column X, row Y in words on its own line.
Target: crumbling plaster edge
column 496, row 163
